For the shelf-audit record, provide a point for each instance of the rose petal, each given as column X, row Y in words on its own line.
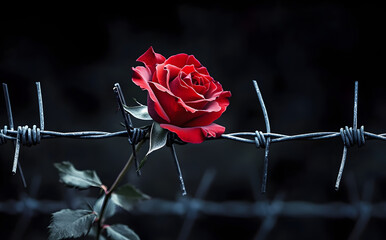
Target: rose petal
column 141, row 77
column 214, row 88
column 177, row 110
column 174, row 71
column 195, row 80
column 182, row 90
column 202, row 70
column 161, row 76
column 199, row 83
column 193, row 61
column 156, row 111
column 196, row 134
column 150, row 59
column 166, row 97
column 200, row 104
column 187, row 69
column 211, row 116
column 187, row 79
column 200, row 89
column 213, row 130
column 176, row 113
column 178, row 60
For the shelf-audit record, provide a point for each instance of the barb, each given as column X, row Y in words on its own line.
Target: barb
column 40, row 102
column 170, row 143
column 260, row 137
column 16, row 163
column 134, row 135
column 26, row 136
column 350, row 137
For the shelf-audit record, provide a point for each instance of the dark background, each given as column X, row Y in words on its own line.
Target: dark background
column 305, row 58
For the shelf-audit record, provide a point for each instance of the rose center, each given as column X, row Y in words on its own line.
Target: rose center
column 197, row 80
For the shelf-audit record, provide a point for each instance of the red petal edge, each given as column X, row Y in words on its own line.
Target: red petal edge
column 196, row 134
column 150, row 59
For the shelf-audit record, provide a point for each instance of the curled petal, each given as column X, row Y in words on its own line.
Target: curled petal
column 202, row 70
column 161, row 76
column 182, row 59
column 151, row 59
column 193, row 61
column 173, row 71
column 141, row 77
column 188, row 69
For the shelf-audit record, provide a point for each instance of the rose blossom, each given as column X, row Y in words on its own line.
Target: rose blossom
column 182, row 96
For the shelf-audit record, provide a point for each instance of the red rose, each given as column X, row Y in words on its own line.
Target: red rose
column 182, row 97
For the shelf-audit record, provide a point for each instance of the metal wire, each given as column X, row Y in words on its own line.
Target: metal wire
column 349, row 135
column 360, row 207
column 134, row 134
column 16, row 143
column 266, row 143
column 249, row 137
column 26, row 136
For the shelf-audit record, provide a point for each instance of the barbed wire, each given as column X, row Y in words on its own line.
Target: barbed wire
column 360, row 208
column 30, row 136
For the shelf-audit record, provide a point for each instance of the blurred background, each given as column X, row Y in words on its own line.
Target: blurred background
column 305, row 58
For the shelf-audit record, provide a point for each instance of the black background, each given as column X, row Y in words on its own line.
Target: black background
column 305, row 58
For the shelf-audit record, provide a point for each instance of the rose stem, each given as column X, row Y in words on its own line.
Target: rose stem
column 114, row 186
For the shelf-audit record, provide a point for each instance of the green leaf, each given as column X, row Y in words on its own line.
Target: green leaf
column 93, row 233
column 127, row 195
column 158, row 137
column 70, row 223
column 121, row 232
column 139, row 112
column 75, row 178
column 109, row 210
column 135, row 100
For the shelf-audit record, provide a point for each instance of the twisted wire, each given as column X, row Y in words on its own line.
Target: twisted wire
column 3, row 135
column 257, row 138
column 29, row 136
column 352, row 136
column 348, row 135
column 137, row 134
column 260, row 140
